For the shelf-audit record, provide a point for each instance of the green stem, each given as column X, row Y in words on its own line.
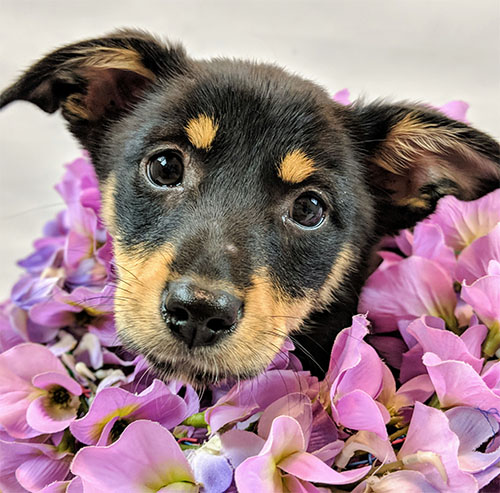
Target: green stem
column 197, row 420
column 434, row 402
column 492, row 342
column 398, row 433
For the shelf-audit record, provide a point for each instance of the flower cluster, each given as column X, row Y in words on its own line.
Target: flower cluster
column 410, row 402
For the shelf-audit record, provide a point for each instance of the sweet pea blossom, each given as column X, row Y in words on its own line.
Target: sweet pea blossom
column 36, row 393
column 31, row 466
column 145, row 458
column 285, row 453
column 356, row 378
column 113, row 409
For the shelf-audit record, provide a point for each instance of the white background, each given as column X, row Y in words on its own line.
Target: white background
column 432, row 51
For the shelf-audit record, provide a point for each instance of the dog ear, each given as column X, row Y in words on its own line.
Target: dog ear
column 95, row 81
column 415, row 155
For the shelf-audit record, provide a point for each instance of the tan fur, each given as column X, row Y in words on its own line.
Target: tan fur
column 201, row 131
column 343, row 263
column 295, row 167
column 74, row 106
column 105, row 57
column 108, row 203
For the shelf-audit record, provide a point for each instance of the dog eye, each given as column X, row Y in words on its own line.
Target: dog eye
column 165, row 169
column 308, row 210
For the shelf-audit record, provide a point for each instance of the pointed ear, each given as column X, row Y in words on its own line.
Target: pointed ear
column 415, row 155
column 97, row 80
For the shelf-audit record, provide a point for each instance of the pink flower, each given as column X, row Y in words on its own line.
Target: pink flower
column 356, row 378
column 36, row 393
column 406, row 290
column 113, row 409
column 285, row 453
column 463, row 222
column 145, row 458
column 31, row 466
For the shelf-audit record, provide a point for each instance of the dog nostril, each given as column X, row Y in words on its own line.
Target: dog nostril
column 217, row 324
column 179, row 315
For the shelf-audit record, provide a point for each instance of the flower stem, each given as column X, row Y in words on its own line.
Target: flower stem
column 492, row 342
column 398, row 433
column 197, row 420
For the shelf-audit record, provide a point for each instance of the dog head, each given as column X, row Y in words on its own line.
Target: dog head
column 242, row 200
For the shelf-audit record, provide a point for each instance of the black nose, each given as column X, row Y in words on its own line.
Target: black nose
column 198, row 316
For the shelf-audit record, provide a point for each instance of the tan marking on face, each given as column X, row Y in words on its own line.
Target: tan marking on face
column 413, row 203
column 295, row 167
column 108, row 188
column 201, row 131
column 343, row 264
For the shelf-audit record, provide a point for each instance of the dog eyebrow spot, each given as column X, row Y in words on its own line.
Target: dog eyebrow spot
column 201, row 131
column 296, row 167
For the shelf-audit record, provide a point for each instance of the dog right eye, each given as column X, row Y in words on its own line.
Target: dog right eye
column 165, row 169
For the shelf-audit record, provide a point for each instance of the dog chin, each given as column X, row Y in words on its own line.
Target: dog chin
column 196, row 377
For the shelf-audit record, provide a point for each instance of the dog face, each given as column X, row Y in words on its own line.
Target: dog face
column 242, row 200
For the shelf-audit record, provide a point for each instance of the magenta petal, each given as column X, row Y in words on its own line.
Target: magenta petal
column 145, row 456
column 308, row 467
column 357, row 410
column 457, row 110
column 295, row 485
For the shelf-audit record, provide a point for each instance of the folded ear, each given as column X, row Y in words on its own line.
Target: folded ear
column 415, row 155
column 97, row 80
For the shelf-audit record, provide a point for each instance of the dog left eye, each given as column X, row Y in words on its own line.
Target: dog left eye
column 308, row 210
column 165, row 169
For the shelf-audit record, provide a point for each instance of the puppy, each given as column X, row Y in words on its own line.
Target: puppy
column 244, row 203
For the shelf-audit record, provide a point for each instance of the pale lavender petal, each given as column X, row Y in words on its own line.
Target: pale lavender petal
column 285, row 438
column 473, row 338
column 239, row 445
column 213, row 472
column 146, row 454
column 491, row 374
column 294, row 485
column 308, row 467
column 472, row 427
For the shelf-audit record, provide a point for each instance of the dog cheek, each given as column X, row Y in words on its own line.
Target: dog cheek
column 142, row 277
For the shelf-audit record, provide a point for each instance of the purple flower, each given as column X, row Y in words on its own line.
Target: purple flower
column 31, row 466
column 82, row 307
column 36, row 393
column 285, row 453
column 145, row 458
column 113, row 409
